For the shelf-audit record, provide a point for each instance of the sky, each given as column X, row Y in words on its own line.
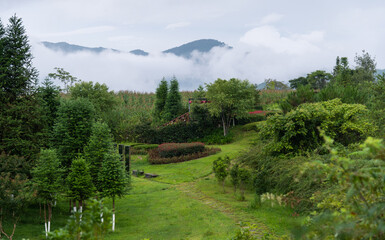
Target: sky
column 276, row 39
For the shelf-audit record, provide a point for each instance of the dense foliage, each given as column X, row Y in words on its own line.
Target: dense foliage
column 299, row 130
column 353, row 208
column 73, row 129
column 230, row 98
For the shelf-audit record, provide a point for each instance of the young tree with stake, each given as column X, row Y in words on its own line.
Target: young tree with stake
column 79, row 181
column 113, row 179
column 220, row 167
column 47, row 178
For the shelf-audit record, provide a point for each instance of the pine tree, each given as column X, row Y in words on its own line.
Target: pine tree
column 173, row 106
column 20, row 113
column 72, row 129
column 79, row 181
column 100, row 143
column 161, row 97
column 113, row 180
column 17, row 75
column 47, row 178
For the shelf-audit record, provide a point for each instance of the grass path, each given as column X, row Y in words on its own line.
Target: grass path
column 192, row 191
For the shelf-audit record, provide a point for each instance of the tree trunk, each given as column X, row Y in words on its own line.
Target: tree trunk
column 49, row 216
column 224, row 126
column 223, row 185
column 101, row 211
column 74, row 205
column 45, row 222
column 113, row 214
column 80, row 208
column 14, row 226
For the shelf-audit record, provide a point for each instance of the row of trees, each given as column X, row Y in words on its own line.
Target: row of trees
column 342, row 74
column 227, row 99
column 168, row 103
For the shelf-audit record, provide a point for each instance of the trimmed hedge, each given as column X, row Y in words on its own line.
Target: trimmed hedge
column 168, row 150
column 155, row 159
column 142, row 149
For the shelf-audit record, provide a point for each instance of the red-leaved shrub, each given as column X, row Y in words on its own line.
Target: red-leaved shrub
column 168, row 150
column 154, row 157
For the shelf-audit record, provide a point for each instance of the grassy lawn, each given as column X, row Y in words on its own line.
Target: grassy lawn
column 159, row 211
column 184, row 202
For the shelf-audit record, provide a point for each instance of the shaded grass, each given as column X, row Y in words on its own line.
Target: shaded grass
column 31, row 225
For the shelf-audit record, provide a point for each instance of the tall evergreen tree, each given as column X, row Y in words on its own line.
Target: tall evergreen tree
column 72, row 129
column 99, row 145
column 17, row 75
column 342, row 72
column 20, row 114
column 161, row 97
column 173, row 106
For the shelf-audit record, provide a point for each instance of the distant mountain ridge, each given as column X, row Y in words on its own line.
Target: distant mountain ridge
column 185, row 50
column 139, row 52
column 72, row 48
column 202, row 45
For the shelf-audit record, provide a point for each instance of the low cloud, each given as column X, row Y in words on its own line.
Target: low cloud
column 270, row 37
column 271, row 18
column 260, row 53
column 125, row 71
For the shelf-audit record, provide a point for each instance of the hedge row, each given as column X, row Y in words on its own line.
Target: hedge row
column 178, row 133
column 153, row 159
column 168, row 150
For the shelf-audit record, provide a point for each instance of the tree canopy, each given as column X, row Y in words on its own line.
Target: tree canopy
column 230, row 98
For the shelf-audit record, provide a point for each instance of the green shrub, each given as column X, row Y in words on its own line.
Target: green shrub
column 283, row 175
column 354, row 207
column 155, row 159
column 251, row 118
column 142, row 149
column 303, row 94
column 299, row 130
column 220, row 169
column 216, row 137
column 351, row 93
column 250, row 127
